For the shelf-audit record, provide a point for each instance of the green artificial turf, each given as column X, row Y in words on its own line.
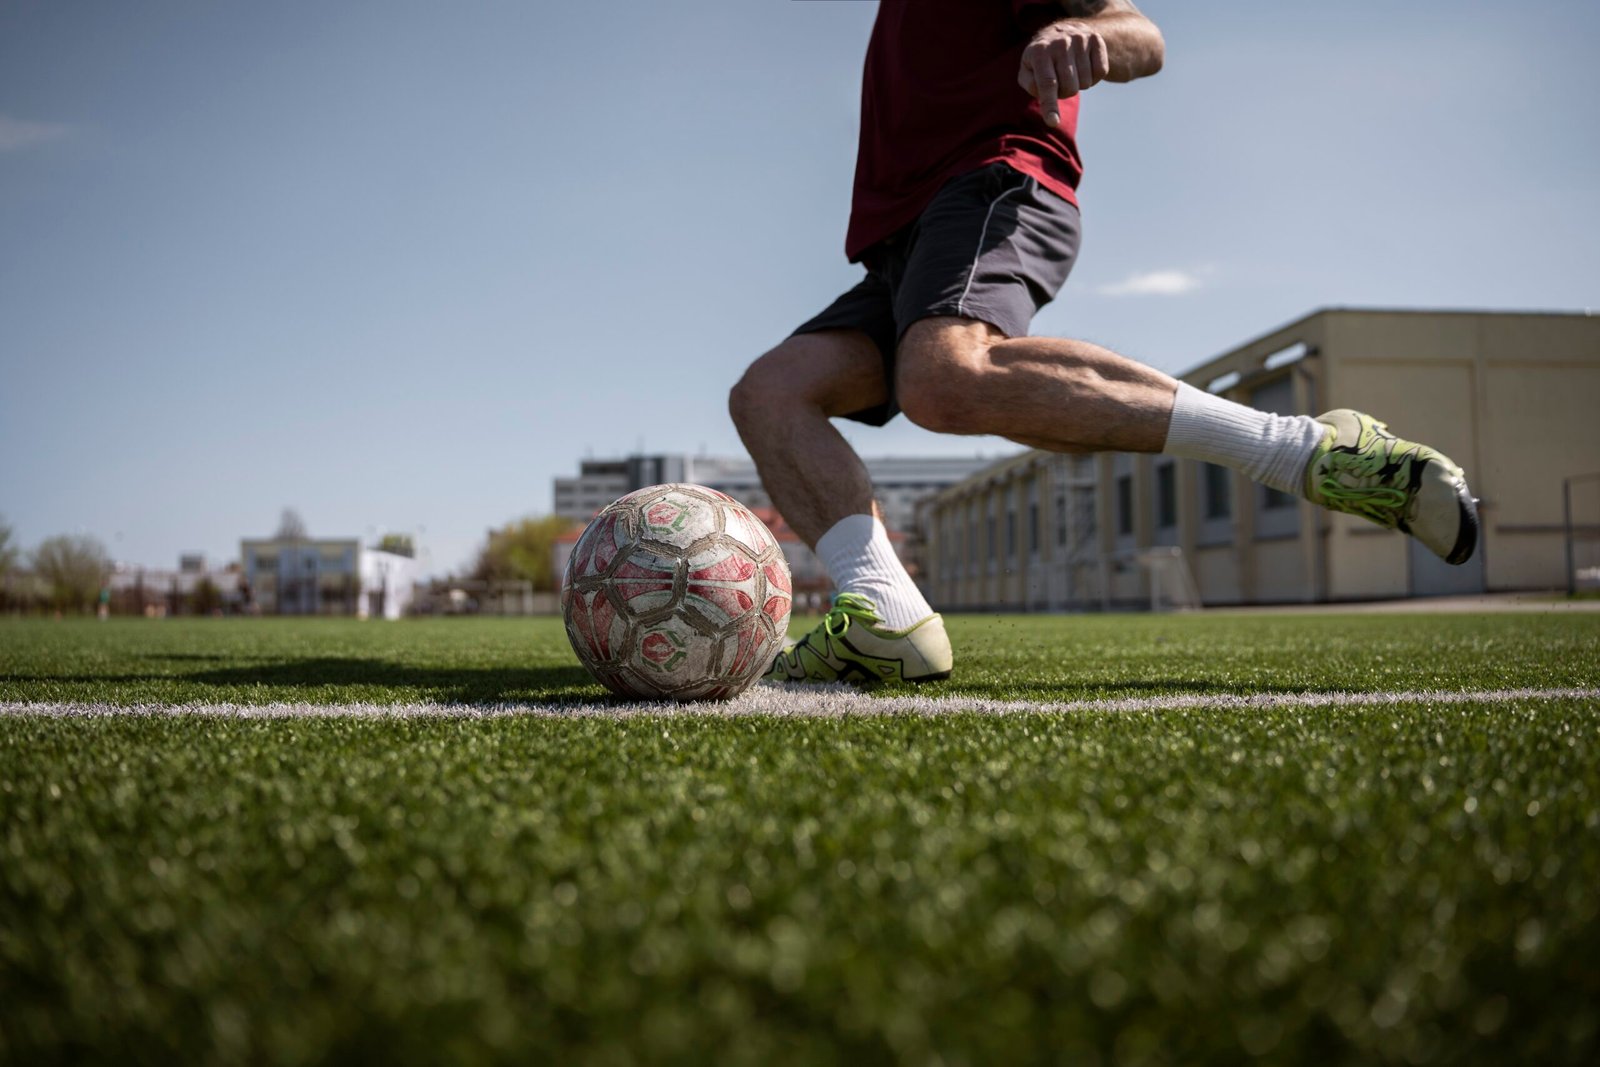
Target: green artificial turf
column 1412, row 883
column 1040, row 658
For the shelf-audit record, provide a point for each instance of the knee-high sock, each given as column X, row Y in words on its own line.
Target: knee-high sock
column 1272, row 449
column 859, row 558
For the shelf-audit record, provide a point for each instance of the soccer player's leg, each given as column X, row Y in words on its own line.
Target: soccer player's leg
column 964, row 366
column 993, row 248
column 880, row 627
column 1343, row 460
column 961, row 376
column 782, row 408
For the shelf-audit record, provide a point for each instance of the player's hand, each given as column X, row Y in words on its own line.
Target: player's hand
column 1063, row 59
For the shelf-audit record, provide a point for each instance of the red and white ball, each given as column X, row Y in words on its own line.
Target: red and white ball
column 676, row 592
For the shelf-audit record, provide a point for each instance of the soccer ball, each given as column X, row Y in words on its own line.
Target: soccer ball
column 676, row 592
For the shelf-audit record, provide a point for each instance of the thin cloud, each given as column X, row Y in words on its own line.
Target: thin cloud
column 18, row 134
column 1154, row 283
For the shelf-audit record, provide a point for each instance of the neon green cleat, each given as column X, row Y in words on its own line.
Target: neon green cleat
column 1362, row 469
column 849, row 647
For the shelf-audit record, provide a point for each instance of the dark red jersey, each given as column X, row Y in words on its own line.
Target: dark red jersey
column 940, row 97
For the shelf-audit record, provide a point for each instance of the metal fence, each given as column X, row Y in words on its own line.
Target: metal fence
column 1580, row 498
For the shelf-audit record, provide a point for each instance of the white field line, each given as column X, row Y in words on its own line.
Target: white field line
column 806, row 702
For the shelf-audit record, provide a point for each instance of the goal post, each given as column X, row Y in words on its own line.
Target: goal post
column 1580, row 506
column 1172, row 584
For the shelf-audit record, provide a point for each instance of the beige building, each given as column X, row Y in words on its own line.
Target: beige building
column 1513, row 397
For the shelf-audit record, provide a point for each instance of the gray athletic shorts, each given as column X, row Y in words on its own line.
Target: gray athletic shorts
column 992, row 245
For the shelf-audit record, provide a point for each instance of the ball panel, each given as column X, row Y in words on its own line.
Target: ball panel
column 672, row 654
column 721, row 583
column 777, row 573
column 592, row 622
column 749, row 648
column 644, row 581
column 675, row 515
column 748, row 530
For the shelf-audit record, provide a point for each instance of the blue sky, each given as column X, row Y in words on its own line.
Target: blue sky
column 397, row 265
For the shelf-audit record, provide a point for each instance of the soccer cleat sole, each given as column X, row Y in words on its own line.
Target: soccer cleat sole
column 1467, row 536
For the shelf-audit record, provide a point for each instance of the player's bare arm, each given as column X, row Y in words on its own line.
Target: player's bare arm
column 1098, row 40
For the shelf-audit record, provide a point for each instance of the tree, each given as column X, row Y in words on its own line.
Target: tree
column 8, row 562
column 8, row 550
column 74, row 568
column 207, row 597
column 522, row 550
column 291, row 527
column 399, row 544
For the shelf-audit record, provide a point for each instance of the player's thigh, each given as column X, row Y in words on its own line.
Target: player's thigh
column 991, row 249
column 840, row 371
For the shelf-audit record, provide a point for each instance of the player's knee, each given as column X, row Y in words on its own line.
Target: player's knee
column 938, row 405
column 756, row 390
column 940, row 378
column 745, row 399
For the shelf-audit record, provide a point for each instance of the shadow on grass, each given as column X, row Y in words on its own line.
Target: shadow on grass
column 469, row 685
column 388, row 682
column 458, row 685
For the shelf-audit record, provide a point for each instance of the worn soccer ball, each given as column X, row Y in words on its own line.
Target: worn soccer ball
column 676, row 592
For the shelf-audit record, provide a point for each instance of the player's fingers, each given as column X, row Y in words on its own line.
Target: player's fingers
column 1048, row 88
column 1100, row 58
column 1025, row 77
column 1066, row 72
column 1083, row 67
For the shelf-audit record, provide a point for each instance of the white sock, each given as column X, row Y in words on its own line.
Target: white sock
column 1272, row 449
column 860, row 559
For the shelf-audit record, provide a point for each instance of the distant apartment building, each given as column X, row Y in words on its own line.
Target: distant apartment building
column 900, row 483
column 1512, row 397
column 337, row 576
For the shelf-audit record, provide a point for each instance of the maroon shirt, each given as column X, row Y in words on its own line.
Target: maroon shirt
column 939, row 97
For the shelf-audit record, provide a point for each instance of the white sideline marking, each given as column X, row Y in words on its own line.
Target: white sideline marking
column 807, row 702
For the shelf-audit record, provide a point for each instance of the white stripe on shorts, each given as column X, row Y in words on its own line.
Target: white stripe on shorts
column 961, row 305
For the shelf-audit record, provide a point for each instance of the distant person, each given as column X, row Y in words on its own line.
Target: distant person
column 965, row 217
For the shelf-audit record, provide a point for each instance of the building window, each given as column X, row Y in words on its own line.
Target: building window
column 1167, row 496
column 1278, row 512
column 1275, row 499
column 1086, row 510
column 1061, row 520
column 1124, row 505
column 1011, row 533
column 1218, row 492
column 1033, row 526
